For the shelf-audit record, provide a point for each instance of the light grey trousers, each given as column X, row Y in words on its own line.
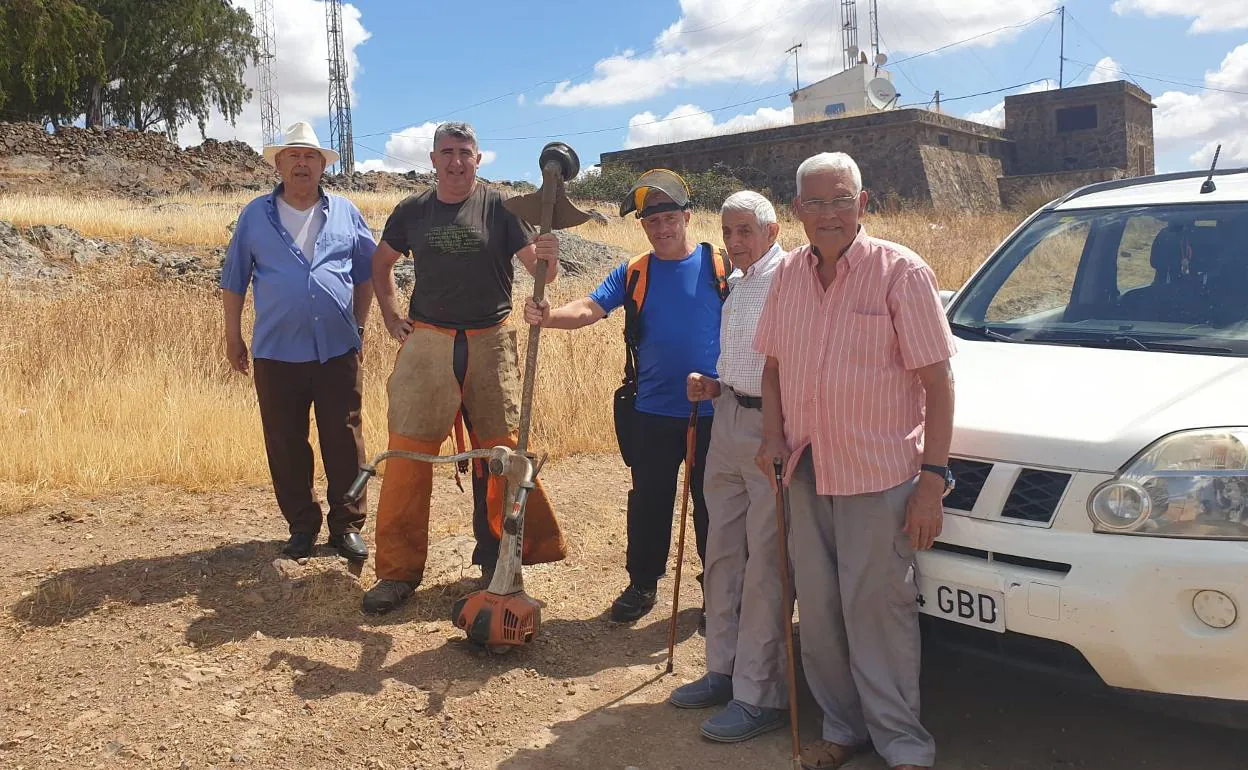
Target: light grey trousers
column 857, row 604
column 744, row 594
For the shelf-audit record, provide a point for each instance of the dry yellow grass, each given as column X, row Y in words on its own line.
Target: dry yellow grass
column 126, row 385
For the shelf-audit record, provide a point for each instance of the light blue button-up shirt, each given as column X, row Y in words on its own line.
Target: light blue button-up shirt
column 304, row 303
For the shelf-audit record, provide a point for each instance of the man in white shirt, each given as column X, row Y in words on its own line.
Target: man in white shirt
column 743, row 587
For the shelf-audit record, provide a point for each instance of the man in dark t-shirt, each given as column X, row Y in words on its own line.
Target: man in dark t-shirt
column 462, row 254
column 458, row 361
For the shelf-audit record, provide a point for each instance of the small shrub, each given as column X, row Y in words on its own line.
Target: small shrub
column 707, row 189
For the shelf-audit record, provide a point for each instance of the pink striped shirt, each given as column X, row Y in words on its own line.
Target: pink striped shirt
column 847, row 358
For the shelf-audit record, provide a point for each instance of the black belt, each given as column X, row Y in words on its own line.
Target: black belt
column 749, row 402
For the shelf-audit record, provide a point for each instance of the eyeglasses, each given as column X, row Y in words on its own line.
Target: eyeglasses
column 834, row 204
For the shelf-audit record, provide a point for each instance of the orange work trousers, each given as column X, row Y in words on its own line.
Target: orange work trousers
column 441, row 374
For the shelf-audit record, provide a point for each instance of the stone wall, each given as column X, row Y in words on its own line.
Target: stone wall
column 1122, row 137
column 1030, row 191
column 897, row 151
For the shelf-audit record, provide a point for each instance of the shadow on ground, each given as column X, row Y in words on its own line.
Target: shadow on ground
column 983, row 716
column 239, row 592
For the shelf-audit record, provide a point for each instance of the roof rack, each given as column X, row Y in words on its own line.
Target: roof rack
column 1132, row 181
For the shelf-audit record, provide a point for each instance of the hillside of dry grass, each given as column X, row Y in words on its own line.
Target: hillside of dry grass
column 125, row 384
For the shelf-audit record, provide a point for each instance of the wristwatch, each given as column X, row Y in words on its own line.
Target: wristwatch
column 943, row 472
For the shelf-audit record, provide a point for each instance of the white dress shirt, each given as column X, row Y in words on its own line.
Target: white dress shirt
column 739, row 367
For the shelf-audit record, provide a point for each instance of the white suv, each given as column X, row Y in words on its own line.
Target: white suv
column 1099, row 522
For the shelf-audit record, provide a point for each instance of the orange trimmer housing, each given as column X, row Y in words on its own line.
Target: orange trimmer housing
column 494, row 620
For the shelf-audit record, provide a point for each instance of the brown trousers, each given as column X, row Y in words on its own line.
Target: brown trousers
column 441, row 373
column 286, row 392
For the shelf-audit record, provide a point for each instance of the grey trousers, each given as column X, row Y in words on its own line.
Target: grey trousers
column 858, row 589
column 744, row 594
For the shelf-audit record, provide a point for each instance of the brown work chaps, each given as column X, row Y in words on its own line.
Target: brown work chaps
column 441, row 374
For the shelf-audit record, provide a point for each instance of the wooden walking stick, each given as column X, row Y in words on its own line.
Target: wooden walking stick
column 691, row 440
column 788, row 612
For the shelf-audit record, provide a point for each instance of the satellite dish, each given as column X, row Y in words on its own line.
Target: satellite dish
column 880, row 58
column 881, row 93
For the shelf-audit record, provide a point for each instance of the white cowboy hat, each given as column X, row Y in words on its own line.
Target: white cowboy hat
column 299, row 135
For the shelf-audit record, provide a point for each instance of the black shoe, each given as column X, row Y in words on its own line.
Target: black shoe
column 350, row 546
column 386, row 595
column 299, row 546
column 632, row 604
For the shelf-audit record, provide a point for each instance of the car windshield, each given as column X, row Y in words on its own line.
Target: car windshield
column 1171, row 278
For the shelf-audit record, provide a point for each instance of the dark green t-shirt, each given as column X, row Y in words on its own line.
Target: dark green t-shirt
column 462, row 255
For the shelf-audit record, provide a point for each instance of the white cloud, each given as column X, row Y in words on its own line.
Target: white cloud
column 409, row 149
column 1198, row 122
column 1207, row 15
column 719, row 41
column 1106, row 70
column 688, row 121
column 301, row 70
column 520, row 100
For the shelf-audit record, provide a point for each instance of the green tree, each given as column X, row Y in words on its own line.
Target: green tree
column 48, row 48
column 169, row 62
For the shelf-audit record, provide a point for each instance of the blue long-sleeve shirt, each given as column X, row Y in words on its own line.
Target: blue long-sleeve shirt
column 304, row 302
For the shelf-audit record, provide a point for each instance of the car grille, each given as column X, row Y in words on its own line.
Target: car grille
column 1033, row 498
column 1035, row 495
column 970, row 476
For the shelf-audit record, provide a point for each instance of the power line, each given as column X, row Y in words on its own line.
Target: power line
column 944, row 98
column 1020, row 25
column 1161, row 79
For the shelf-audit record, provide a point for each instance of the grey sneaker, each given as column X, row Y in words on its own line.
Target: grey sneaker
column 740, row 721
column 711, row 690
column 386, row 595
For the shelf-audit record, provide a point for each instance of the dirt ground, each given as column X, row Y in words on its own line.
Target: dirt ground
column 153, row 630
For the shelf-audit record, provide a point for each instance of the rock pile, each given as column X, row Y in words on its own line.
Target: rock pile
column 49, row 253
column 140, row 164
column 145, row 164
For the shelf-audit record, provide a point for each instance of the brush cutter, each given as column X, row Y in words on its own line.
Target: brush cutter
column 503, row 616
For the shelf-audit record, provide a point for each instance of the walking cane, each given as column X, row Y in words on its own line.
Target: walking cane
column 788, row 612
column 691, row 440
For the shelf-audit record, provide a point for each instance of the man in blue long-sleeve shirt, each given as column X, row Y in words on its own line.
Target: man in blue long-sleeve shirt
column 308, row 257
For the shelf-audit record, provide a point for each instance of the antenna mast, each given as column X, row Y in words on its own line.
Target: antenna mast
column 270, row 118
column 874, row 19
column 1061, row 56
column 849, row 31
column 339, row 94
column 797, row 76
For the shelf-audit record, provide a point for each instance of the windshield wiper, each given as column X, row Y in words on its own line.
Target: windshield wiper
column 982, row 331
column 1127, row 341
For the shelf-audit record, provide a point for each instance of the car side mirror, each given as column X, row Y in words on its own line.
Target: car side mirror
column 945, row 296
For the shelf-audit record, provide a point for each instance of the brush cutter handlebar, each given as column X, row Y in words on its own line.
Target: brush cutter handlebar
column 499, row 457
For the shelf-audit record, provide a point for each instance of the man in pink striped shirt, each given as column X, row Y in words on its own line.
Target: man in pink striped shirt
column 858, row 410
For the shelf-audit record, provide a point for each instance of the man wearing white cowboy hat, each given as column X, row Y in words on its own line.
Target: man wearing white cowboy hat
column 308, row 255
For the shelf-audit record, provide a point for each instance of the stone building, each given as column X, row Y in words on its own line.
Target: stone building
column 1052, row 142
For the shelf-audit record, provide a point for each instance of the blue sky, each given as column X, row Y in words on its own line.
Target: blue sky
column 603, row 76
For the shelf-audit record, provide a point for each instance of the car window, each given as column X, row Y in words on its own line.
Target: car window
column 1045, row 276
column 1134, row 255
column 1171, row 277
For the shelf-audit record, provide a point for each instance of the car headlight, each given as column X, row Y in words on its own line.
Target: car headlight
column 1191, row 484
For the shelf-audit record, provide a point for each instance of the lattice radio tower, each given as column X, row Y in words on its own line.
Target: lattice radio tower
column 270, row 116
column 339, row 95
column 849, row 31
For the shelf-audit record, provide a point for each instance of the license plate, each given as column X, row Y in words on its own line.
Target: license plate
column 962, row 604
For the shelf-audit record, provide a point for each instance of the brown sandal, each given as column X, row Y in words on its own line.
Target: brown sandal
column 826, row 755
